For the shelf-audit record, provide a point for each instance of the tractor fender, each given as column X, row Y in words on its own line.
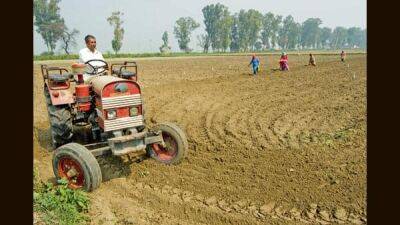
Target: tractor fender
column 61, row 97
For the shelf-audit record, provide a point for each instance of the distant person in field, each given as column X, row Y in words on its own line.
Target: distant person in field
column 343, row 56
column 90, row 53
column 255, row 62
column 283, row 62
column 312, row 60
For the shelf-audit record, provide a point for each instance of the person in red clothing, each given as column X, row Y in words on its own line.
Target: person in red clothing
column 283, row 62
column 342, row 56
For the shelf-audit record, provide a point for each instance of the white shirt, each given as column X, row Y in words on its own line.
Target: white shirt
column 86, row 55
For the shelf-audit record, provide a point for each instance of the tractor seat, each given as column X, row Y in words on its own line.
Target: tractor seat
column 127, row 74
column 115, row 71
column 59, row 77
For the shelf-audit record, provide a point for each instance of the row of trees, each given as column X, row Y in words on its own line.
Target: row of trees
column 244, row 31
column 51, row 26
column 252, row 30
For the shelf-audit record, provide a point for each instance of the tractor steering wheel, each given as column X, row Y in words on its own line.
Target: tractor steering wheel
column 95, row 68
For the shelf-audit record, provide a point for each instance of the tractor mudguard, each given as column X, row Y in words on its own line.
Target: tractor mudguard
column 61, row 97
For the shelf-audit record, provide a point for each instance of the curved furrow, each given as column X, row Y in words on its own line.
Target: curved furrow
column 215, row 139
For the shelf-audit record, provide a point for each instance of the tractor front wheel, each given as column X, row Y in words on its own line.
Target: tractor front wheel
column 78, row 166
column 176, row 145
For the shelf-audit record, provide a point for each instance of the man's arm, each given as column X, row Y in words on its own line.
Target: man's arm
column 81, row 57
column 251, row 61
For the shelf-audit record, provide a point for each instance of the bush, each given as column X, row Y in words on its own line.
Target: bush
column 60, row 205
column 47, row 53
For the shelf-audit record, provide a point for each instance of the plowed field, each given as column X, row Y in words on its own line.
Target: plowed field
column 278, row 148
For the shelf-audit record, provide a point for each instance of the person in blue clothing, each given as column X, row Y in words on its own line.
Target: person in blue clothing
column 255, row 62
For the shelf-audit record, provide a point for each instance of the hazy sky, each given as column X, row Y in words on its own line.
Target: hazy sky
column 146, row 20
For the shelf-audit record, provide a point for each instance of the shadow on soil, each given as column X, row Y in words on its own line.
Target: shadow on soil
column 117, row 166
column 43, row 137
column 52, row 180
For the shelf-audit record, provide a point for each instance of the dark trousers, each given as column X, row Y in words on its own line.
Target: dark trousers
column 255, row 70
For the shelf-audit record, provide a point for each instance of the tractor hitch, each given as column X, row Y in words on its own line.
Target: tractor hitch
column 134, row 142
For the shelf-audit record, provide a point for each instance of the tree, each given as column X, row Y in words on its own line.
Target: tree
column 211, row 14
column 68, row 39
column 326, row 33
column 165, row 48
column 243, row 37
column 183, row 28
column 267, row 29
column 354, row 36
column 249, row 26
column 164, row 38
column 275, row 26
column 224, row 31
column 235, row 45
column 289, row 33
column 258, row 46
column 339, row 37
column 254, row 20
column 218, row 22
column 48, row 22
column 294, row 35
column 203, row 42
column 115, row 20
column 311, row 33
column 270, row 29
column 363, row 43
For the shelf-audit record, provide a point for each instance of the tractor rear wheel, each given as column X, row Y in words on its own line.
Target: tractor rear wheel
column 176, row 145
column 61, row 124
column 78, row 166
column 47, row 96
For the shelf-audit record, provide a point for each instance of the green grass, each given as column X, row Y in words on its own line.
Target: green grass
column 328, row 139
column 180, row 54
column 57, row 204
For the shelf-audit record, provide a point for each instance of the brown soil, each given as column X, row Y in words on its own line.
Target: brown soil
column 278, row 148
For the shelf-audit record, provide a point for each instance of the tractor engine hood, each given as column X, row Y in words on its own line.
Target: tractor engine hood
column 109, row 86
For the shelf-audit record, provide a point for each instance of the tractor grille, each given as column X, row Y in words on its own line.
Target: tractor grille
column 122, row 123
column 121, row 101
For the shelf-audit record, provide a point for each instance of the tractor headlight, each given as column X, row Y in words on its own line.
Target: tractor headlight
column 133, row 111
column 111, row 114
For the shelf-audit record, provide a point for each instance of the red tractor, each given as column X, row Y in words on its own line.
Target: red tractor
column 93, row 114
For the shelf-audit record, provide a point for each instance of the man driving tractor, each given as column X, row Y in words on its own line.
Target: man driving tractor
column 91, row 53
